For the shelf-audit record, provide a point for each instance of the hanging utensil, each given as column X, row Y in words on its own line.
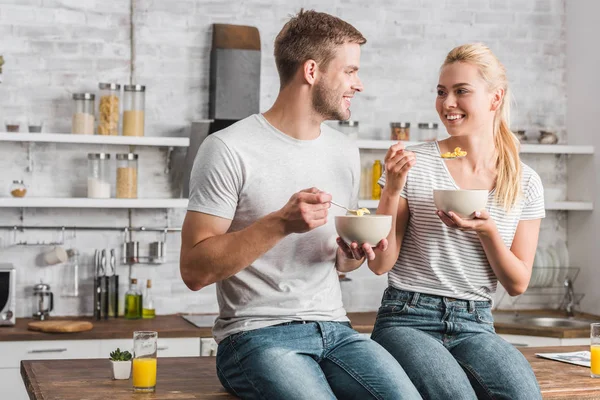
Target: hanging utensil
column 113, row 286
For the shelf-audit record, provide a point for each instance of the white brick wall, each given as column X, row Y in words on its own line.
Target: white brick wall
column 54, row 48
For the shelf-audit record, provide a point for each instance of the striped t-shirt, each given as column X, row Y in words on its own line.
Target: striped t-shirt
column 439, row 260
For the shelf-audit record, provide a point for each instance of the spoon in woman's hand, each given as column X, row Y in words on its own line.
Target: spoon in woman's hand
column 360, row 212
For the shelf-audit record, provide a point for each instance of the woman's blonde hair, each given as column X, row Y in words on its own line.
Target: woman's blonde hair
column 508, row 181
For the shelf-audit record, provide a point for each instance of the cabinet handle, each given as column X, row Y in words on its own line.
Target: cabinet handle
column 47, row 351
column 162, row 348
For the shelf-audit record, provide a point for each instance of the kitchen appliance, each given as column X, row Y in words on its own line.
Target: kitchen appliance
column 43, row 301
column 234, row 87
column 8, row 294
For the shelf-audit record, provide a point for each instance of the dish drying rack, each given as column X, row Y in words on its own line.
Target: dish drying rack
column 547, row 287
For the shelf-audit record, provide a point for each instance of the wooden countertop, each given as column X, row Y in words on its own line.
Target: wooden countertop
column 173, row 326
column 195, row 378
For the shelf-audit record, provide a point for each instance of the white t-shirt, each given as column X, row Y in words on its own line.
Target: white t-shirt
column 443, row 261
column 251, row 169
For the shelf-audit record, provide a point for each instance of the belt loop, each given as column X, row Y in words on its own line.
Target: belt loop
column 471, row 306
column 415, row 298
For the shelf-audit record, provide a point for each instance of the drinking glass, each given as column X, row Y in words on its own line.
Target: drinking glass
column 144, row 361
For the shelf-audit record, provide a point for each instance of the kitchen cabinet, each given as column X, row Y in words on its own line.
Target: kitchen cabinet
column 14, row 352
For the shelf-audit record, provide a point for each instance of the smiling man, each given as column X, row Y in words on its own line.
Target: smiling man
column 258, row 224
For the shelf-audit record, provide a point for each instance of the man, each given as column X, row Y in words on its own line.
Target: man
column 282, row 329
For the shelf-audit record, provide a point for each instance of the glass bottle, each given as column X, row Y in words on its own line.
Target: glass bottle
column 376, row 174
column 108, row 109
column 127, row 180
column 148, row 307
column 18, row 189
column 83, row 114
column 98, row 183
column 134, row 103
column 133, row 301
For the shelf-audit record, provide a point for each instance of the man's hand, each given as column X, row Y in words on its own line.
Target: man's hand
column 354, row 251
column 305, row 211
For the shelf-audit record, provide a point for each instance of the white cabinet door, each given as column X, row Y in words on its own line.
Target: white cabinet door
column 208, row 347
column 13, row 352
column 575, row 342
column 168, row 347
column 530, row 341
column 12, row 384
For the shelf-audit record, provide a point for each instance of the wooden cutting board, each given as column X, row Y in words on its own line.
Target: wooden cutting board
column 60, row 326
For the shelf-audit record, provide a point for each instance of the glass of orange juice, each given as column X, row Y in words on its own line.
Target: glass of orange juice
column 144, row 361
column 595, row 350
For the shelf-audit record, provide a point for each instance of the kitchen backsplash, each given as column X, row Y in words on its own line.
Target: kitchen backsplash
column 55, row 48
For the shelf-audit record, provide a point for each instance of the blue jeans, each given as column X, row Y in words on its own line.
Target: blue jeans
column 313, row 360
column 449, row 348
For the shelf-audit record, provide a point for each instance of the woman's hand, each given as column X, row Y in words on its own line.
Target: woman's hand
column 481, row 222
column 354, row 251
column 398, row 162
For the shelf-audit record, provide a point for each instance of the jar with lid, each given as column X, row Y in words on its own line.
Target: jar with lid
column 400, row 131
column 98, row 183
column 134, row 103
column 127, row 176
column 428, row 131
column 108, row 109
column 350, row 128
column 18, row 189
column 83, row 113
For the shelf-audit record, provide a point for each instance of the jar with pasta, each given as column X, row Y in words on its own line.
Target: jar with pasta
column 83, row 114
column 134, row 103
column 108, row 109
column 127, row 176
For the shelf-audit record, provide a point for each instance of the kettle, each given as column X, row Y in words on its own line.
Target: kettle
column 43, row 301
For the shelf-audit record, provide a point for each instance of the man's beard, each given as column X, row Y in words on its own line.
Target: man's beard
column 327, row 103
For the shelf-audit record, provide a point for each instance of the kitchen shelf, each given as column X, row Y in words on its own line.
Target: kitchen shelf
column 525, row 148
column 95, row 139
column 554, row 205
column 49, row 202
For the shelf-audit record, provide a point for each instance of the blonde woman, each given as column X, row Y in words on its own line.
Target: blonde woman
column 435, row 317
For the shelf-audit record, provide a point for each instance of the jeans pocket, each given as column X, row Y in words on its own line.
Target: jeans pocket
column 484, row 316
column 392, row 308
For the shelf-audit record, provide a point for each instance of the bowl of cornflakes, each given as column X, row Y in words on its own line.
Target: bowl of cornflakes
column 363, row 229
column 462, row 202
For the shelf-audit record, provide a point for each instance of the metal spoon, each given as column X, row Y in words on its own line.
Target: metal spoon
column 360, row 212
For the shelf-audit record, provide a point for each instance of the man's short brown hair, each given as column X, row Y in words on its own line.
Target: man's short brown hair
column 311, row 35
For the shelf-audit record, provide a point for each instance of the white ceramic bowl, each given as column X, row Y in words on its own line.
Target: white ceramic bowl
column 366, row 229
column 462, row 202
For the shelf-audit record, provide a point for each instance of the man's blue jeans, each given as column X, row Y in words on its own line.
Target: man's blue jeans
column 313, row 360
column 449, row 348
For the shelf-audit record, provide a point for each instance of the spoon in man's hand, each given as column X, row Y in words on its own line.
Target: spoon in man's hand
column 360, row 212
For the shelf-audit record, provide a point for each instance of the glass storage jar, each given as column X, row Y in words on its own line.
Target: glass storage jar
column 428, row 131
column 98, row 183
column 83, row 113
column 18, row 189
column 127, row 176
column 134, row 104
column 108, row 109
column 400, row 131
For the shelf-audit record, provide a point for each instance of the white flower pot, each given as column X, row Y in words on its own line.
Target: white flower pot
column 121, row 369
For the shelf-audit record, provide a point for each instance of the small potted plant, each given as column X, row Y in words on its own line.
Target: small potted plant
column 121, row 364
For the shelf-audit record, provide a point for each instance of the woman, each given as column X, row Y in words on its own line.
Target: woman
column 435, row 317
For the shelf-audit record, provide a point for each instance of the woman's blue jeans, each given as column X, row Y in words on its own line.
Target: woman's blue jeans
column 449, row 348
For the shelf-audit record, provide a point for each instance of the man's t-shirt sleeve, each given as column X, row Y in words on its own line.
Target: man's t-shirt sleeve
column 215, row 180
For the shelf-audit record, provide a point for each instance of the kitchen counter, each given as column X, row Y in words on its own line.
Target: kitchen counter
column 195, row 378
column 173, row 326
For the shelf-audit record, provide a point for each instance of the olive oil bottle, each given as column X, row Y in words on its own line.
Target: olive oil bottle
column 133, row 301
column 148, row 306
